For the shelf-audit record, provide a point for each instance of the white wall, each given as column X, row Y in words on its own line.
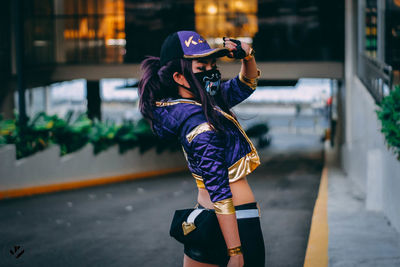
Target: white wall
column 367, row 161
column 47, row 167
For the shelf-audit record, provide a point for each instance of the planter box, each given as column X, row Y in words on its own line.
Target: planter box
column 46, row 171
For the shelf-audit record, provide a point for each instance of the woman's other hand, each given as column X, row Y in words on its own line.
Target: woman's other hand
column 236, row 261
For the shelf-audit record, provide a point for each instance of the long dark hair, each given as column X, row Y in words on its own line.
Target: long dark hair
column 157, row 84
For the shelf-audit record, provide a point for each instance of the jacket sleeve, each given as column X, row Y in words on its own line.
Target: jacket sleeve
column 235, row 91
column 207, row 157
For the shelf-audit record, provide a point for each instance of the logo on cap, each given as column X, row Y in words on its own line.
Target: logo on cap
column 191, row 41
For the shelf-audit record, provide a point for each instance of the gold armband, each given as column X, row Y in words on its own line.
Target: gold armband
column 224, row 206
column 251, row 82
column 250, row 55
column 235, row 251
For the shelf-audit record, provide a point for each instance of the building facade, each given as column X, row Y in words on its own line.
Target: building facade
column 371, row 70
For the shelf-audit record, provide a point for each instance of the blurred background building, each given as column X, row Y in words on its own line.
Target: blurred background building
column 85, row 55
column 97, row 39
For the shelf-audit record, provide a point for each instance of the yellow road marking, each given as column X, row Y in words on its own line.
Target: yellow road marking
column 317, row 248
column 85, row 183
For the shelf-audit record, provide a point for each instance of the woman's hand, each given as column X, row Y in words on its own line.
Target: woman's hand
column 232, row 46
column 236, row 261
column 249, row 66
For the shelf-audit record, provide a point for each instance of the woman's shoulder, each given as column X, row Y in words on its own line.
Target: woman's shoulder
column 179, row 109
column 178, row 115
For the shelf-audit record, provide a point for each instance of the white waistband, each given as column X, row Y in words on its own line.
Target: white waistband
column 240, row 214
column 243, row 214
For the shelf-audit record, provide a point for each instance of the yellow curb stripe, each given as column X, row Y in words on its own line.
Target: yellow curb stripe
column 317, row 248
column 85, row 183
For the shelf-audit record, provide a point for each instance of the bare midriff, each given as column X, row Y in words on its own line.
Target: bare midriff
column 241, row 194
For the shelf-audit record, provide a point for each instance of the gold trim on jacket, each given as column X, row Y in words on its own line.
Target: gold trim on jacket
column 201, row 128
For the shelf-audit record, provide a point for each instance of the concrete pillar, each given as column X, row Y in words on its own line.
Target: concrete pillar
column 350, row 63
column 7, row 101
column 93, row 99
column 375, row 176
column 47, row 100
column 59, row 28
column 350, row 56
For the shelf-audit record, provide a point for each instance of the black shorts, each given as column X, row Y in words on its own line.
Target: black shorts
column 251, row 239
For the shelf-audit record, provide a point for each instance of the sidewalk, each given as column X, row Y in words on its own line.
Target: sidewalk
column 357, row 237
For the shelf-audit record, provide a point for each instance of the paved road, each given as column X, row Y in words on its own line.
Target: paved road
column 127, row 224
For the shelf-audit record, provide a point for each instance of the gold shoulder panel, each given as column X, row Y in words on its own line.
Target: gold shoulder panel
column 201, row 128
column 243, row 166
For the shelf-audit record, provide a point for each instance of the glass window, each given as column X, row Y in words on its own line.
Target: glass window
column 90, row 31
column 371, row 33
column 116, row 31
column 392, row 46
column 378, row 62
column 149, row 22
column 280, row 30
column 300, row 30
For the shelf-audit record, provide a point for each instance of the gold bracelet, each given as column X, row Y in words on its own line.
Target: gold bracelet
column 224, row 206
column 250, row 82
column 235, row 251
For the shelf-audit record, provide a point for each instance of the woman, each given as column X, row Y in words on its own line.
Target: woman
column 182, row 97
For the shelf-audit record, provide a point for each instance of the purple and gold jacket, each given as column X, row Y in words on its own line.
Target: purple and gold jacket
column 215, row 159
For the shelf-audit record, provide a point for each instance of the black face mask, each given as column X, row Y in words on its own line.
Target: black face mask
column 210, row 80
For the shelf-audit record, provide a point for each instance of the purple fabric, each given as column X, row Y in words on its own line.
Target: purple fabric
column 192, row 43
column 235, row 91
column 207, row 159
column 168, row 120
column 209, row 154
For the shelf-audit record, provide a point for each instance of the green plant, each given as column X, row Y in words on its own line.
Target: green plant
column 126, row 138
column 72, row 135
column 41, row 128
column 30, row 138
column 7, row 127
column 102, row 135
column 389, row 115
column 2, row 141
column 146, row 138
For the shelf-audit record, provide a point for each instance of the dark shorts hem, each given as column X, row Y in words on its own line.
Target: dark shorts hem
column 189, row 252
column 250, row 236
